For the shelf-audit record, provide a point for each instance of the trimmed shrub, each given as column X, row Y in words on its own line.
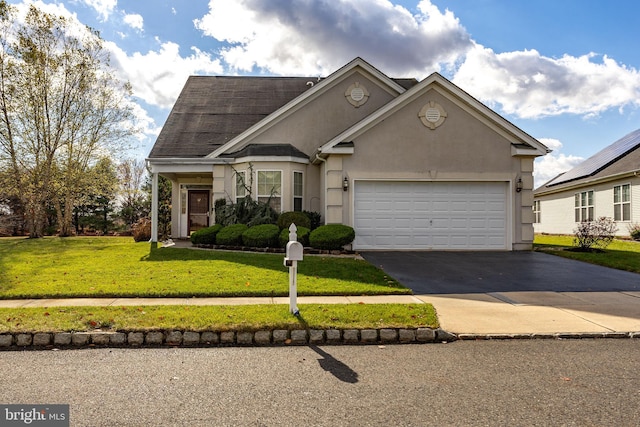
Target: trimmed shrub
column 303, row 236
column 206, row 236
column 231, row 235
column 261, row 236
column 331, row 236
column 300, row 219
column 634, row 231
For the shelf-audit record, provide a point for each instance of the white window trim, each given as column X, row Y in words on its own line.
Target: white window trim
column 587, row 206
column 293, row 191
column 258, row 195
column 622, row 203
column 537, row 212
column 243, row 173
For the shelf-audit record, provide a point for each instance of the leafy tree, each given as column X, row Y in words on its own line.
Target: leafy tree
column 61, row 109
column 98, row 200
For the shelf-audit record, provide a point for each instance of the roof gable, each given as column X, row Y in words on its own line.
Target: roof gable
column 211, row 110
column 601, row 160
column 395, row 87
column 522, row 142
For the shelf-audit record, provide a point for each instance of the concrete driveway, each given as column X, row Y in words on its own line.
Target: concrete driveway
column 486, row 272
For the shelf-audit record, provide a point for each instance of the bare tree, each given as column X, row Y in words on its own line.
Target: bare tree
column 61, row 109
column 131, row 173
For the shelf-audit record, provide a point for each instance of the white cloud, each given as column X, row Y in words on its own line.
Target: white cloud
column 553, row 164
column 134, row 20
column 317, row 37
column 103, row 7
column 158, row 76
column 530, row 85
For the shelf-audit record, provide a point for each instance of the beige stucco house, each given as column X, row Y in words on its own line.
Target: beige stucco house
column 408, row 164
column 606, row 184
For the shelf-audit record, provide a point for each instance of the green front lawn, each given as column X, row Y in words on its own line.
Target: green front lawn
column 117, row 267
column 620, row 254
column 217, row 318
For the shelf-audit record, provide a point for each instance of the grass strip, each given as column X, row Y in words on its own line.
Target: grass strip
column 620, row 254
column 118, row 267
column 217, row 318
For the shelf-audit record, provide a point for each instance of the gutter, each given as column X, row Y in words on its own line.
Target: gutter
column 580, row 184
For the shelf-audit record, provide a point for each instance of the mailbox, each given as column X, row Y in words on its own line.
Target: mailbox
column 294, row 252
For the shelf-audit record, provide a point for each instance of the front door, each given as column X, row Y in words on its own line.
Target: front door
column 198, row 210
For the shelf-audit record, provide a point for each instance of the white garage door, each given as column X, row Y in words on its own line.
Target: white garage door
column 430, row 215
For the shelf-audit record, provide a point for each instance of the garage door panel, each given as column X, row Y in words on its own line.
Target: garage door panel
column 428, row 215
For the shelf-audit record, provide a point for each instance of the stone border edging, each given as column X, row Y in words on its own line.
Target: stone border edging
column 277, row 337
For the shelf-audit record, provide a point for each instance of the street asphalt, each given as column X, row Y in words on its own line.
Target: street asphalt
column 583, row 382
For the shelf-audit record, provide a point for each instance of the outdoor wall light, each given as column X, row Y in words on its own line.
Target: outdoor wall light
column 519, row 185
column 345, row 184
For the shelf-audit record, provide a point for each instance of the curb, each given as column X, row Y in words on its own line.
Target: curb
column 175, row 338
column 543, row 336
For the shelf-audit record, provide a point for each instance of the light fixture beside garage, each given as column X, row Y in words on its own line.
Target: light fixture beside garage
column 345, row 184
column 519, row 185
column 432, row 115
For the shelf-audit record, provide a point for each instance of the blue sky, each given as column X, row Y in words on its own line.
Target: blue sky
column 565, row 71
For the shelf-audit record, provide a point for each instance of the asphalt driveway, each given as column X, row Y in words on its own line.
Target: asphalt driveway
column 484, row 272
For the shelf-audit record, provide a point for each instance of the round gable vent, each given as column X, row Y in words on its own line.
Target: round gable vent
column 432, row 115
column 357, row 94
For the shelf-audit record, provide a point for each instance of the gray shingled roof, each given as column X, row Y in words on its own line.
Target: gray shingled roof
column 212, row 110
column 257, row 150
column 618, row 158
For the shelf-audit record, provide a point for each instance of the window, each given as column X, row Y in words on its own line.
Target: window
column 584, row 210
column 297, row 191
column 270, row 188
column 241, row 185
column 536, row 211
column 622, row 202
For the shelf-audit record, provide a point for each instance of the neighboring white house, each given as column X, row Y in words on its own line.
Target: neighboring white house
column 607, row 184
column 408, row 164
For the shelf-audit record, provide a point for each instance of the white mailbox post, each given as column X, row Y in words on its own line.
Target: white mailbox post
column 294, row 253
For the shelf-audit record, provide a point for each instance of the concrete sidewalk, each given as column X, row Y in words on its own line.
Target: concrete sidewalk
column 493, row 314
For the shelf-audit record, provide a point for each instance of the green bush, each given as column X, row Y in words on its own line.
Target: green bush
column 261, row 236
column 303, row 236
column 315, row 218
column 206, row 236
column 300, row 219
column 331, row 236
column 634, row 231
column 231, row 235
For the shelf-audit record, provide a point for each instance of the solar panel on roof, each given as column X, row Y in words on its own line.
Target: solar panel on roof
column 601, row 159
